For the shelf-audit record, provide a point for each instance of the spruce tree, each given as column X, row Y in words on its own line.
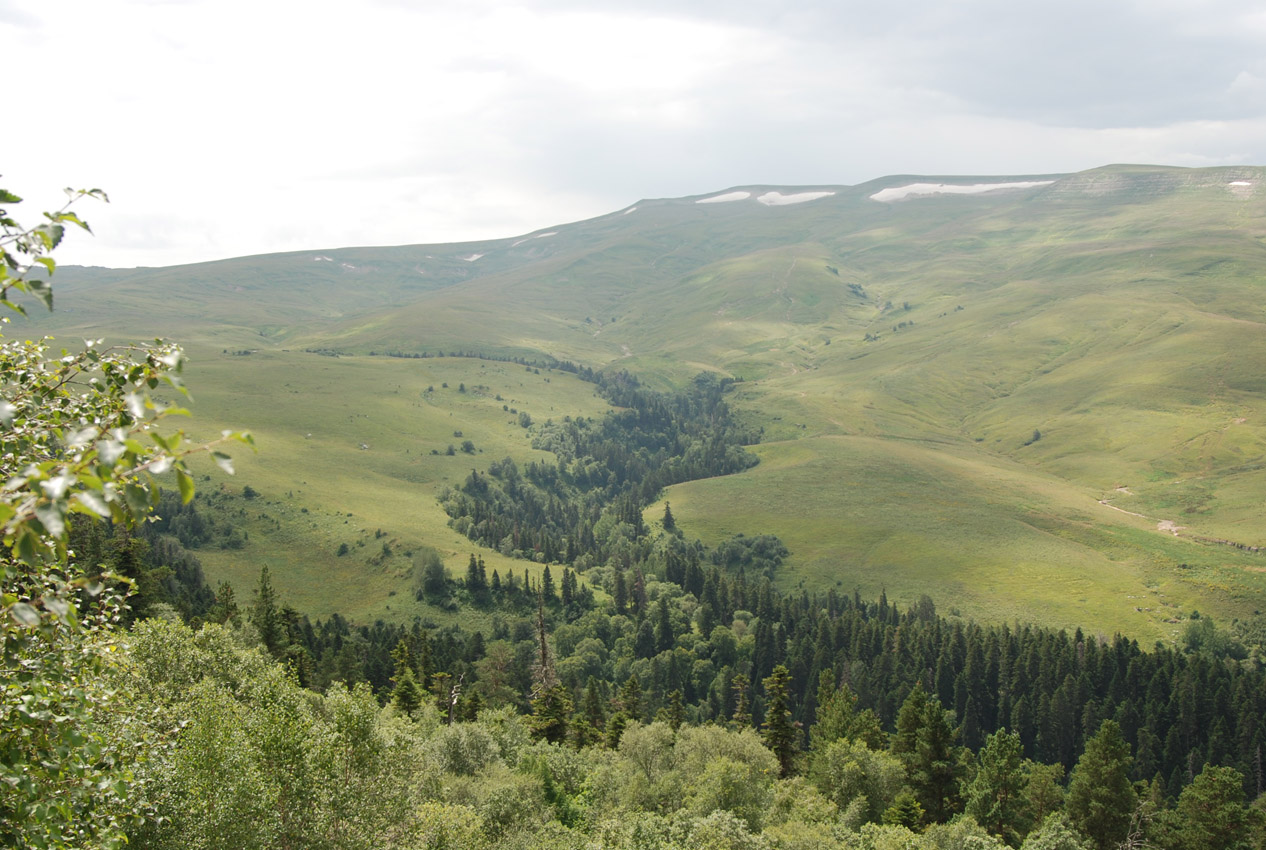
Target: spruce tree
column 407, row 695
column 665, row 638
column 631, row 698
column 996, row 796
column 1101, row 799
column 742, row 717
column 551, row 714
column 267, row 618
column 937, row 764
column 676, row 710
column 1210, row 813
column 779, row 733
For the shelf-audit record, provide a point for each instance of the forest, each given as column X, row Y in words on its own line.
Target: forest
column 646, row 691
column 661, row 679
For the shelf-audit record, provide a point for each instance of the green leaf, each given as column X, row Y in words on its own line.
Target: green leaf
column 185, row 482
column 137, row 499
column 73, row 219
column 7, row 197
column 42, row 290
column 6, row 413
column 60, row 607
column 25, row 614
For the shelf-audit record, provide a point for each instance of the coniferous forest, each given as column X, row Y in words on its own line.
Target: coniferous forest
column 649, row 691
column 641, row 690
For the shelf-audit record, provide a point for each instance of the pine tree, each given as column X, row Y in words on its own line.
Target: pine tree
column 909, row 720
column 631, row 698
column 594, row 714
column 996, row 796
column 937, row 764
column 1101, row 799
column 620, row 593
column 836, row 707
column 551, row 714
column 547, row 586
column 676, row 710
column 1210, row 813
column 267, row 618
column 407, row 695
column 779, row 732
column 742, row 717
column 225, row 608
column 670, row 524
column 665, row 638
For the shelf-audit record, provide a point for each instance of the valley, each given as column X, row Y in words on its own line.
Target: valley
column 950, row 386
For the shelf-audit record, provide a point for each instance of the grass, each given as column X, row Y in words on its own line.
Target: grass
column 990, row 538
column 899, row 357
column 345, row 456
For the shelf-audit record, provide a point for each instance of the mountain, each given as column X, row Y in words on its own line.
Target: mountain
column 1034, row 396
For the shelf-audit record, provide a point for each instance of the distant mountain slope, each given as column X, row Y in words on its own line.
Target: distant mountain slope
column 1103, row 333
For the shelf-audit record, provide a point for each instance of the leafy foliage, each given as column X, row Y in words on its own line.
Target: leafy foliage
column 80, row 441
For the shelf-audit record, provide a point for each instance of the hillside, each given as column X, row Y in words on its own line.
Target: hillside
column 1034, row 396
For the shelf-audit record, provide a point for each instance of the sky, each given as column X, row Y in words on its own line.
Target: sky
column 223, row 128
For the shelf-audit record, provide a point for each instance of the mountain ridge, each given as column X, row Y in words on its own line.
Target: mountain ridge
column 1094, row 342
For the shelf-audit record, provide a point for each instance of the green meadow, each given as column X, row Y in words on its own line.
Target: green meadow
column 948, row 386
column 345, row 456
column 987, row 538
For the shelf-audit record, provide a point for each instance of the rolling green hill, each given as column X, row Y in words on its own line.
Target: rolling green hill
column 1046, row 401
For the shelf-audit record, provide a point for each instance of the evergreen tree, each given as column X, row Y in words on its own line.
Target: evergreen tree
column 266, row 617
column 644, row 642
column 676, row 712
column 937, row 764
column 779, row 732
column 1101, row 799
column 407, row 695
column 910, row 718
column 670, row 524
column 592, row 711
column 905, row 811
column 631, row 698
column 551, row 714
column 620, row 593
column 995, row 797
column 476, row 583
column 547, row 586
column 1043, row 790
column 1210, row 814
column 225, row 608
column 742, row 717
column 665, row 638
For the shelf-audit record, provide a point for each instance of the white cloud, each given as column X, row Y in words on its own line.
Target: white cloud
column 225, row 127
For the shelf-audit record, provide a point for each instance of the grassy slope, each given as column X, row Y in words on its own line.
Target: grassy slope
column 311, row 415
column 1118, row 312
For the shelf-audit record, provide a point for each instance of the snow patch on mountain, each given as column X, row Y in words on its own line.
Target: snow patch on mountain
column 725, row 198
column 896, row 193
column 530, row 238
column 778, row 199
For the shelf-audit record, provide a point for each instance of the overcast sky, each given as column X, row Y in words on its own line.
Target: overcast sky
column 230, row 127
